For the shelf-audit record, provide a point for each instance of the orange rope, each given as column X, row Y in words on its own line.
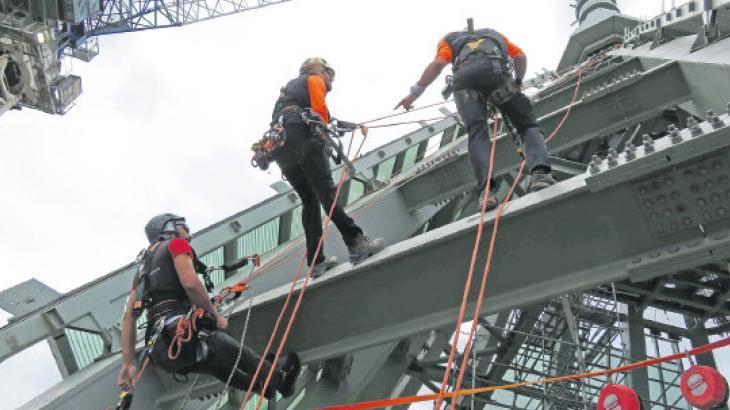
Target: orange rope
column 467, row 286
column 468, row 392
column 343, row 177
column 485, row 275
column 488, row 264
column 273, row 333
column 145, row 363
column 293, row 316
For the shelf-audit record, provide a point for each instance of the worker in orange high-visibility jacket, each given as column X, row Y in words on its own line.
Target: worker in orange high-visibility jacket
column 305, row 164
column 481, row 70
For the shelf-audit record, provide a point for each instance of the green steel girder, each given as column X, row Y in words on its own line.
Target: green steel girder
column 98, row 305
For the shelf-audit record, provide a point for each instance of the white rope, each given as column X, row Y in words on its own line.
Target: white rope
column 238, row 358
column 240, row 347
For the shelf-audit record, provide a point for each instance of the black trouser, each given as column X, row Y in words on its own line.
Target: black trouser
column 473, row 83
column 305, row 164
column 222, row 354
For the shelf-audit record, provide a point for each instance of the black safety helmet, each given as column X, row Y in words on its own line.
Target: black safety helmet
column 164, row 226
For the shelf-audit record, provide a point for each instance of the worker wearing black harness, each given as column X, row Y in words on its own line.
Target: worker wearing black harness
column 304, row 162
column 482, row 72
column 167, row 287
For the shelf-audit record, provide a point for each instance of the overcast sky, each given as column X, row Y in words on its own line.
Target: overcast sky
column 167, row 117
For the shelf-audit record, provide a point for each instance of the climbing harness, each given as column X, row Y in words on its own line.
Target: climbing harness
column 330, row 136
column 187, row 324
column 238, row 357
column 144, row 276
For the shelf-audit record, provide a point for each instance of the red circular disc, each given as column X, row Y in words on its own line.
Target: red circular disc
column 618, row 397
column 703, row 387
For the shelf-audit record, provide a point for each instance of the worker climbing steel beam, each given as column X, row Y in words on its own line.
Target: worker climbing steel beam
column 302, row 157
column 482, row 75
column 185, row 331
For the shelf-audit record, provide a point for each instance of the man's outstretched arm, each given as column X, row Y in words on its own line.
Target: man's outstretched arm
column 432, row 71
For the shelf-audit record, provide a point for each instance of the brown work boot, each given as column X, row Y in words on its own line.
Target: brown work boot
column 363, row 247
column 540, row 179
column 320, row 268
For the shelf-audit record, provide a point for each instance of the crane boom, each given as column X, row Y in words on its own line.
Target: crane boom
column 119, row 16
column 36, row 34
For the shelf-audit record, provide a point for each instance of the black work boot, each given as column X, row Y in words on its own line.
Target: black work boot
column 291, row 367
column 540, row 179
column 364, row 247
column 320, row 268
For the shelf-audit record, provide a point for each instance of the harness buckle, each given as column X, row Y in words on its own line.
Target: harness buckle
column 202, row 351
column 448, row 88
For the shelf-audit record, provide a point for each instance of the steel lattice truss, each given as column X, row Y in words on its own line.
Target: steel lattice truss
column 118, row 16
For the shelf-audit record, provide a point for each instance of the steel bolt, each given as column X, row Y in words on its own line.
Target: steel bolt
column 675, row 135
column 713, row 119
column 612, row 157
column 694, row 127
column 648, row 144
column 595, row 166
column 717, row 122
column 630, row 151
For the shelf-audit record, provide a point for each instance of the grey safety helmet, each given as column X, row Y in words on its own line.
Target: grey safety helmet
column 164, row 226
column 311, row 64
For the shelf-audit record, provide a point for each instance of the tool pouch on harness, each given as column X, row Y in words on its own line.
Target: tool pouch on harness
column 264, row 149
